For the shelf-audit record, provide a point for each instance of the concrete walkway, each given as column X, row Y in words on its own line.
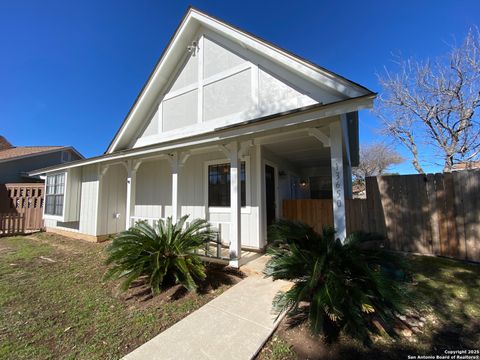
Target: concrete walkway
column 235, row 325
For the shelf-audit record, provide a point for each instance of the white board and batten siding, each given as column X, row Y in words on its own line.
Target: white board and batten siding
column 89, row 200
column 224, row 84
column 113, row 199
column 153, row 194
column 154, row 188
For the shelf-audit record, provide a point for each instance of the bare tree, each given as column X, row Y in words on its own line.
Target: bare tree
column 435, row 103
column 375, row 159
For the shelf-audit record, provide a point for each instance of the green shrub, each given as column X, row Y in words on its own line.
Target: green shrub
column 164, row 254
column 337, row 287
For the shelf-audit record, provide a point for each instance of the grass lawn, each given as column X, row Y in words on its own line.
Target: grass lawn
column 443, row 313
column 53, row 303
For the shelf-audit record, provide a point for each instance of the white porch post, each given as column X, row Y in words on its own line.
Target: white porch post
column 175, row 171
column 132, row 168
column 338, row 191
column 235, row 206
column 128, row 208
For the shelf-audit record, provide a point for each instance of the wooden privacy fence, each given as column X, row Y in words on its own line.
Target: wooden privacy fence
column 12, row 224
column 437, row 214
column 434, row 214
column 319, row 213
column 23, row 199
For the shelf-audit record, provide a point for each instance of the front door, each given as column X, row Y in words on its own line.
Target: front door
column 270, row 193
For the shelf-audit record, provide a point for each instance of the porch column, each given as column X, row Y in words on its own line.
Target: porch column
column 132, row 167
column 338, row 191
column 175, row 171
column 235, row 205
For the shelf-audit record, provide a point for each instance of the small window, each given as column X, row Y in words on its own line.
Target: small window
column 54, row 194
column 219, row 185
column 66, row 156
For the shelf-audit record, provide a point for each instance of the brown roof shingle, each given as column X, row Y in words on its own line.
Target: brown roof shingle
column 4, row 143
column 19, row 151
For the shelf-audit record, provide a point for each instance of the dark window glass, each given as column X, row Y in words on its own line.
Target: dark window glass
column 219, row 185
column 55, row 189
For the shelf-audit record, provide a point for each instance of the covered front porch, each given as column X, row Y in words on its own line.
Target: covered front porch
column 237, row 184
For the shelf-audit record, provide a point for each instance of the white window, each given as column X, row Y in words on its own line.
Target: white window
column 54, row 194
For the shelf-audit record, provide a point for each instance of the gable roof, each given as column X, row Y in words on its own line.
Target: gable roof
column 4, row 143
column 18, row 152
column 182, row 37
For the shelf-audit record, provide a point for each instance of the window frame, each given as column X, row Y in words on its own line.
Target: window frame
column 226, row 209
column 55, row 216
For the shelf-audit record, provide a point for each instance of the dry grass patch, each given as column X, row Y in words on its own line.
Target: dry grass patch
column 53, row 303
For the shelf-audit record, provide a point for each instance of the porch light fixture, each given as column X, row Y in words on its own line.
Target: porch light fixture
column 303, row 182
column 192, row 49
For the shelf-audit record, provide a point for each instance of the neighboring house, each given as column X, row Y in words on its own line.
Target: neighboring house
column 17, row 161
column 227, row 127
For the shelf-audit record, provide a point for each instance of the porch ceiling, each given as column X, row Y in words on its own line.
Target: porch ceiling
column 303, row 152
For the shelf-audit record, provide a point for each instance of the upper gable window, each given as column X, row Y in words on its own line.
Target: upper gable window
column 217, row 58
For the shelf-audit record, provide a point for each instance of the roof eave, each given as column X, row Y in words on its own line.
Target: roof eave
column 133, row 152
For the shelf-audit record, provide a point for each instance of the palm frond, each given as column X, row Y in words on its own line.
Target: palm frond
column 161, row 252
column 342, row 283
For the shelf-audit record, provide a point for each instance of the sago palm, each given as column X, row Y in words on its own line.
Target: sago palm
column 338, row 286
column 163, row 254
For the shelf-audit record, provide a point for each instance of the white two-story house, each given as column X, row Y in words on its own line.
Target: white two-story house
column 226, row 127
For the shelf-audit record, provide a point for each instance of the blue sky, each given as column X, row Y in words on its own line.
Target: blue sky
column 69, row 71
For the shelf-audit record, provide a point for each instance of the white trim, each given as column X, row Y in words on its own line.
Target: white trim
column 338, row 184
column 262, row 241
column 200, row 79
column 235, row 248
column 275, row 167
column 255, row 88
column 344, row 124
column 292, row 63
column 181, row 91
column 226, row 210
column 272, row 67
column 281, row 123
column 160, row 117
column 209, row 126
column 186, row 21
column 225, row 74
column 320, row 136
column 60, row 218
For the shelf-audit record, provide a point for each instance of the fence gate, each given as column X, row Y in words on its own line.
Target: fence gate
column 21, row 207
